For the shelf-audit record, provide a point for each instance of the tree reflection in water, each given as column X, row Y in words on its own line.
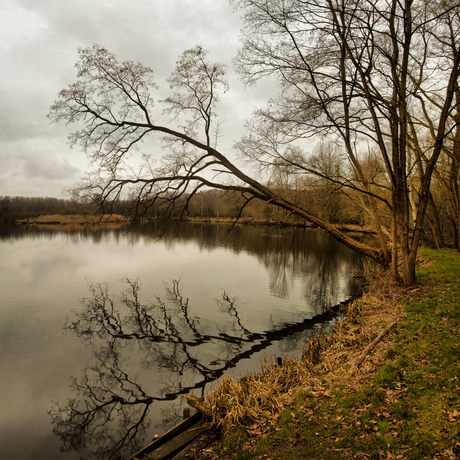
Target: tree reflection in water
column 111, row 414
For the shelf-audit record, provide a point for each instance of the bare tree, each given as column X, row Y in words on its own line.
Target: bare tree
column 354, row 71
column 114, row 103
column 361, row 73
column 448, row 173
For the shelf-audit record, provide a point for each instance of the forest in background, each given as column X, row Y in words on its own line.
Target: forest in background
column 330, row 202
column 209, row 204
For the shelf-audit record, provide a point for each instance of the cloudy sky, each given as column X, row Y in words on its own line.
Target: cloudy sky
column 38, row 50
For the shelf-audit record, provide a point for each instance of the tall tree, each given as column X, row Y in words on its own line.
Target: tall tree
column 448, row 36
column 358, row 72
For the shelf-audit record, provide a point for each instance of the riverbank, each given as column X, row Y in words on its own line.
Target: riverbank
column 401, row 401
column 88, row 219
column 74, row 219
column 355, row 228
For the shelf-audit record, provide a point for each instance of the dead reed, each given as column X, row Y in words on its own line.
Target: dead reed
column 261, row 398
column 74, row 219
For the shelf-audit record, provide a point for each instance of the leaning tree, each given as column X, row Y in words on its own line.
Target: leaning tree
column 114, row 103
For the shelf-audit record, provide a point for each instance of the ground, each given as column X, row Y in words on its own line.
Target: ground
column 401, row 402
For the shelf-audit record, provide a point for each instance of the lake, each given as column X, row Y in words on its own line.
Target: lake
column 102, row 332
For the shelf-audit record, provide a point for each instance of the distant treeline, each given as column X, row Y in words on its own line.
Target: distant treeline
column 13, row 208
column 19, row 207
column 204, row 205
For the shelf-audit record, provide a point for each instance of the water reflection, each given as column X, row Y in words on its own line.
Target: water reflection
column 179, row 351
column 322, row 264
column 250, row 292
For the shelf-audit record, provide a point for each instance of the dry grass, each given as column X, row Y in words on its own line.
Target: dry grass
column 402, row 402
column 326, row 359
column 256, row 398
column 74, row 219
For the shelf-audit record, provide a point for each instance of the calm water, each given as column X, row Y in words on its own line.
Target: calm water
column 103, row 332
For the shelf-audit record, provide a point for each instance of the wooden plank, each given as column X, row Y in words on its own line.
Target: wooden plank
column 178, row 443
column 181, row 427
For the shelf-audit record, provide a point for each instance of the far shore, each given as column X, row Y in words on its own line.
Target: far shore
column 119, row 220
column 74, row 219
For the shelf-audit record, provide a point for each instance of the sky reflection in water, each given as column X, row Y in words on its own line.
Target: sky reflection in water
column 196, row 307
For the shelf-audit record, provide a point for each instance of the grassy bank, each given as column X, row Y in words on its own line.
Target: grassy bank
column 401, row 402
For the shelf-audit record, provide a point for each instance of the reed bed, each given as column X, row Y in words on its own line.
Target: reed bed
column 255, row 398
column 261, row 398
column 74, row 219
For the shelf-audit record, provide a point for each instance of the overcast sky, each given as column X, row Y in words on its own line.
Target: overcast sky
column 38, row 46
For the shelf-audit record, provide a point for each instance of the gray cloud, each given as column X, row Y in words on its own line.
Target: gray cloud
column 38, row 50
column 48, row 168
column 31, row 168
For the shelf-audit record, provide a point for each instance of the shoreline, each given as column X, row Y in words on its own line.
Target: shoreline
column 80, row 219
column 400, row 400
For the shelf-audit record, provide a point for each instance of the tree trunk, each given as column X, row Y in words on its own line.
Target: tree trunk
column 436, row 226
column 455, row 234
column 394, row 251
column 408, row 263
column 454, row 179
column 362, row 248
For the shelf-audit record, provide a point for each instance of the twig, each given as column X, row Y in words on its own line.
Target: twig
column 368, row 349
